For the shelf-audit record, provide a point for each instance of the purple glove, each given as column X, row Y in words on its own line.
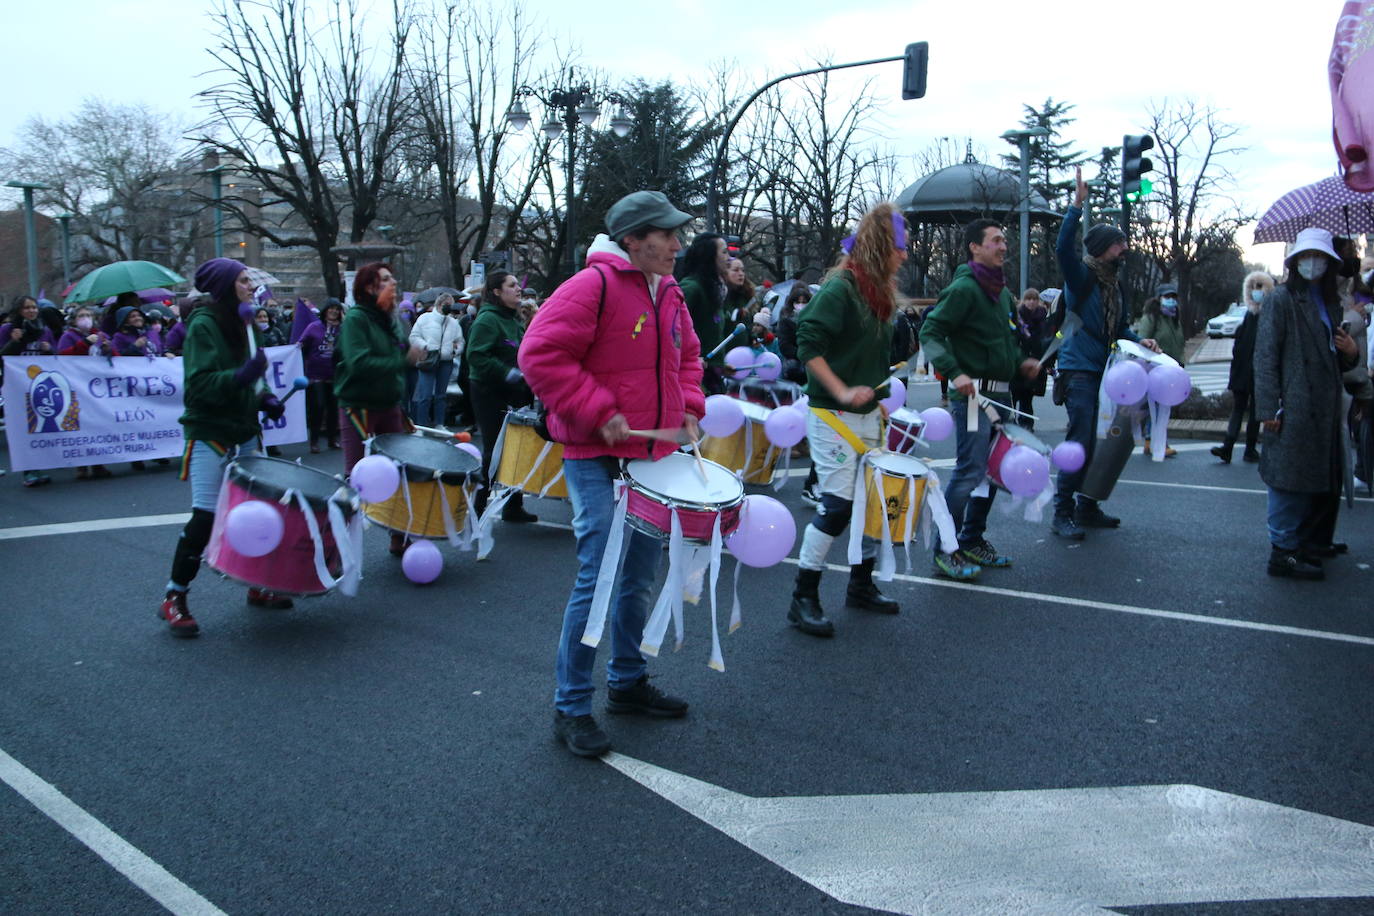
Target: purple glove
column 271, row 405
column 252, row 369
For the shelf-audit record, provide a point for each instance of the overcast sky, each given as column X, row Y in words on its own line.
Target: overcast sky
column 986, row 59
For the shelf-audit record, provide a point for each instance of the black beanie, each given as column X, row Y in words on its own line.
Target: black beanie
column 1101, row 237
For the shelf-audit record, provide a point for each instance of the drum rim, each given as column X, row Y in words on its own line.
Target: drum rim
column 922, row 469
column 419, row 473
column 274, row 493
column 678, row 501
column 1019, row 434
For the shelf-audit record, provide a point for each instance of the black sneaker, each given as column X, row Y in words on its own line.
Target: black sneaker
column 518, row 515
column 984, row 554
column 581, row 734
column 643, row 698
column 1092, row 516
column 1290, row 564
column 1223, row 453
column 1065, row 527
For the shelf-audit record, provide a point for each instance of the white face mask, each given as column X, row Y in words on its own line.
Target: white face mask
column 1257, row 295
column 83, row 323
column 1312, row 267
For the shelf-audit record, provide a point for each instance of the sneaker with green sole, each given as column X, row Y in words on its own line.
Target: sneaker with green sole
column 954, row 566
column 984, row 554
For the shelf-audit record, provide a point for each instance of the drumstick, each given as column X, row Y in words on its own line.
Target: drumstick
column 299, row 384
column 246, row 311
column 667, row 435
column 739, row 329
column 701, row 468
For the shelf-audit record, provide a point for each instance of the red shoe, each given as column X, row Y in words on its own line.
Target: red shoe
column 261, row 597
column 178, row 618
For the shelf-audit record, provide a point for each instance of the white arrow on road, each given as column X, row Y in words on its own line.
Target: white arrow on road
column 1048, row 851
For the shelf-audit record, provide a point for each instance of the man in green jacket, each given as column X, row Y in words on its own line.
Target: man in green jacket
column 968, row 334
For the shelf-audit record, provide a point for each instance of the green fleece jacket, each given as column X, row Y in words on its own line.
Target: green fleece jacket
column 1166, row 332
column 371, row 368
column 838, row 325
column 966, row 333
column 493, row 342
column 708, row 319
column 217, row 409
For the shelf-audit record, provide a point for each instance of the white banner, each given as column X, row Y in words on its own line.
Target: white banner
column 65, row 411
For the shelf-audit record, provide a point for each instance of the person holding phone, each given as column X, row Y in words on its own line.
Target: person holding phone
column 1301, row 349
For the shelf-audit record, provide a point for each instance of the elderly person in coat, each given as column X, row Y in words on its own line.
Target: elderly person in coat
column 1300, row 353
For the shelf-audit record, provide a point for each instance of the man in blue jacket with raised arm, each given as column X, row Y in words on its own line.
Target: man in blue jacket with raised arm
column 1093, row 289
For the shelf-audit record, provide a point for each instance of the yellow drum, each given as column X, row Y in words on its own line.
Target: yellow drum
column 895, row 490
column 747, row 451
column 528, row 461
column 432, row 476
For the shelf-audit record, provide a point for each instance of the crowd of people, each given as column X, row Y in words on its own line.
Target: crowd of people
column 632, row 342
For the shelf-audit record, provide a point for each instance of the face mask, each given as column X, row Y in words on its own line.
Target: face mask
column 1312, row 268
column 1256, row 295
column 157, row 326
column 472, row 310
column 1168, row 307
column 84, row 323
column 262, row 325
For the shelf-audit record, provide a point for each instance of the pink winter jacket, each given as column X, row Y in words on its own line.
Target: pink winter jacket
column 639, row 358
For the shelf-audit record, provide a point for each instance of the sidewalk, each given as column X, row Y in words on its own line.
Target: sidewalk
column 1203, row 349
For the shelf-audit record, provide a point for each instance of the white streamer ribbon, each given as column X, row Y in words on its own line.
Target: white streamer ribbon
column 937, row 512
column 605, row 577
column 313, row 525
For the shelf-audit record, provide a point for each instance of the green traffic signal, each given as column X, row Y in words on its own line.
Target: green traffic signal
column 1146, row 186
column 1133, row 163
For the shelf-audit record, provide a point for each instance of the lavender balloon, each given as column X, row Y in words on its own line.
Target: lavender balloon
column 1169, row 385
column 376, row 478
column 723, row 416
column 769, row 366
column 785, row 427
column 939, row 424
column 765, row 534
column 740, row 356
column 896, row 396
column 254, row 528
column 422, row 562
column 1126, row 383
column 471, row 449
column 1069, row 456
column 1025, row 471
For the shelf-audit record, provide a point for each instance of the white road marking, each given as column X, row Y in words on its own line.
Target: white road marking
column 147, row 875
column 1045, row 851
column 95, row 524
column 1199, row 486
column 1122, row 608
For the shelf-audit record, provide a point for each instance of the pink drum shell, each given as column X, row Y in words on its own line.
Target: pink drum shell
column 651, row 515
column 290, row 569
column 903, row 427
column 1003, row 442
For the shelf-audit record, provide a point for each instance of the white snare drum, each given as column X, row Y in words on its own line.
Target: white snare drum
column 674, row 483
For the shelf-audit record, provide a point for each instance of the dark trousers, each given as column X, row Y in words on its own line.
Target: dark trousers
column 1244, row 406
column 1024, row 401
column 1081, row 404
column 489, row 409
column 322, row 411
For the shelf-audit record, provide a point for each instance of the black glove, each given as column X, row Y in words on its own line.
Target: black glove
column 252, row 369
column 271, row 405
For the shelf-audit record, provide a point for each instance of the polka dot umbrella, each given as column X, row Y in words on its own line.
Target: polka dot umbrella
column 1328, row 204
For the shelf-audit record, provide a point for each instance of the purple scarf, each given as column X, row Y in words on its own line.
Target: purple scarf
column 992, row 280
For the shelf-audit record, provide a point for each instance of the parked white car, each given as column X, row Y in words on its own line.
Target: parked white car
column 1225, row 324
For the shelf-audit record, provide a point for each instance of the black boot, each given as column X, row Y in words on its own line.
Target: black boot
column 1223, row 451
column 805, row 613
column 863, row 594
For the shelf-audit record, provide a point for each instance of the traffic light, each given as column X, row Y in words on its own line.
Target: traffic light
column 914, row 70
column 1133, row 164
column 732, row 245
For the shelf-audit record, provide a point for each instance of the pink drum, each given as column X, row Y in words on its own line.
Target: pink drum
column 290, row 569
column 1007, row 436
column 903, row 429
column 674, row 482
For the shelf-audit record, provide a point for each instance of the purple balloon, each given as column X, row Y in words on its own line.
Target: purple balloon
column 896, row 396
column 785, row 427
column 1025, row 471
column 471, row 449
column 1126, row 383
column 770, row 366
column 802, row 403
column 939, row 424
column 422, row 562
column 376, row 478
column 254, row 528
column 1169, row 385
column 765, row 534
column 1069, row 456
column 740, row 356
column 723, row 416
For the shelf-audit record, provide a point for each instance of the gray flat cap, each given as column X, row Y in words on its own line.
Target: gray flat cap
column 643, row 209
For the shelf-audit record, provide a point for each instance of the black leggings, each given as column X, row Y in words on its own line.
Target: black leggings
column 191, row 544
column 322, row 410
column 489, row 408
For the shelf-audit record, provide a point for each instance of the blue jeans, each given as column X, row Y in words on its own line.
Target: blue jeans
column 1081, row 403
column 970, row 468
column 592, row 491
column 1287, row 513
column 431, row 394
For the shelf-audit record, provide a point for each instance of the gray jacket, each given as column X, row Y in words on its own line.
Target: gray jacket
column 1297, row 368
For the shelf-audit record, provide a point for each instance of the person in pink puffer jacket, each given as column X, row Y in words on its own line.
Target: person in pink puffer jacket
column 613, row 350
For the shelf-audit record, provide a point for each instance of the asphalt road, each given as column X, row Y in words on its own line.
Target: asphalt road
column 393, row 752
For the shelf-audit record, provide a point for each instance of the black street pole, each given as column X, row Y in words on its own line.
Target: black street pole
column 571, row 120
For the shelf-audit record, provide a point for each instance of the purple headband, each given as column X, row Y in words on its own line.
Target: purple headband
column 898, row 234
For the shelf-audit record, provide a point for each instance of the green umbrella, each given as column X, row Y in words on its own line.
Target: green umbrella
column 121, row 277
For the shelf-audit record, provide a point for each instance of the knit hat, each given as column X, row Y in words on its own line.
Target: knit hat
column 1101, row 237
column 123, row 314
column 217, row 277
column 1166, row 289
column 764, row 317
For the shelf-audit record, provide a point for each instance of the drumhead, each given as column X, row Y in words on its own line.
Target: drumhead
column 524, row 416
column 421, row 457
column 897, row 464
column 270, row 478
column 676, row 477
column 905, row 416
column 1019, row 435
